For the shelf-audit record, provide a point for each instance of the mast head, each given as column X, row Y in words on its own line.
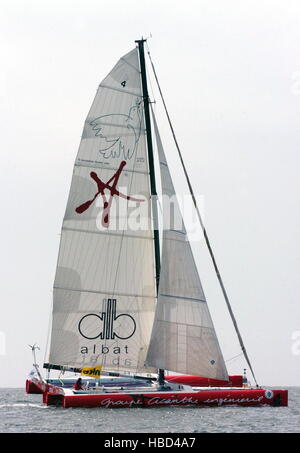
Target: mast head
column 140, row 40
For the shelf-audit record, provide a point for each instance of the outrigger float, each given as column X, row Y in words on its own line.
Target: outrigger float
column 127, row 296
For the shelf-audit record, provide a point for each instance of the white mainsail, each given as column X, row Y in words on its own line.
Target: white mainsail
column 183, row 339
column 104, row 289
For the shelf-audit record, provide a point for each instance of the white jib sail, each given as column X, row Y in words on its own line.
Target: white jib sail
column 104, row 289
column 183, row 339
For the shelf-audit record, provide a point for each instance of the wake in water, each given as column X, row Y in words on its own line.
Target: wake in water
column 23, row 405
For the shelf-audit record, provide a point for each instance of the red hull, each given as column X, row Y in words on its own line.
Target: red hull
column 32, row 387
column 159, row 399
column 53, row 395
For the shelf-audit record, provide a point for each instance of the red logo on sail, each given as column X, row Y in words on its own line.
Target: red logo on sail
column 110, row 185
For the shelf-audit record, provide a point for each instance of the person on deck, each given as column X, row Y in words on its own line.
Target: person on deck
column 78, row 384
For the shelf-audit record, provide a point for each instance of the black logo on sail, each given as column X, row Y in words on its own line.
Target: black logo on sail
column 107, row 325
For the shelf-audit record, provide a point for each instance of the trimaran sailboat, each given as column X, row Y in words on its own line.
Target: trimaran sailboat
column 127, row 300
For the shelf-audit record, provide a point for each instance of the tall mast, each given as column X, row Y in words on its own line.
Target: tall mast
column 152, row 172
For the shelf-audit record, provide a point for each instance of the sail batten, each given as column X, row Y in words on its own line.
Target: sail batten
column 101, row 292
column 112, row 234
column 120, row 90
column 101, row 167
column 182, row 297
column 136, row 68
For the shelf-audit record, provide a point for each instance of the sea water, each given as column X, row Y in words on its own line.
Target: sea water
column 22, row 413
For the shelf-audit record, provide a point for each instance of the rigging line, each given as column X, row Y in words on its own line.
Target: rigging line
column 47, row 349
column 234, row 357
column 151, row 86
column 203, row 228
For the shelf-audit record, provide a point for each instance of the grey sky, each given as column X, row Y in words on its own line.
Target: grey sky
column 230, row 73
